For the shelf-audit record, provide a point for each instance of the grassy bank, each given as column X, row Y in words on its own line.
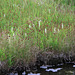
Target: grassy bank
column 30, row 26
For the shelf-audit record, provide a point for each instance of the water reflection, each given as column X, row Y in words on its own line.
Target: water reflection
column 24, row 73
column 53, row 70
column 34, row 73
column 46, row 70
column 63, row 70
column 73, row 65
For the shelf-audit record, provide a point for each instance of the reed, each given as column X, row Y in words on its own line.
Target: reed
column 30, row 26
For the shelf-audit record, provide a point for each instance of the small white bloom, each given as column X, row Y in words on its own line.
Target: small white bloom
column 25, row 34
column 55, row 30
column 29, row 26
column 58, row 30
column 45, row 30
column 4, row 15
column 39, row 23
column 62, row 25
column 11, row 29
column 38, row 3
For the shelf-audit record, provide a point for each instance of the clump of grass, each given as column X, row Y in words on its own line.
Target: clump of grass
column 30, row 26
column 2, row 54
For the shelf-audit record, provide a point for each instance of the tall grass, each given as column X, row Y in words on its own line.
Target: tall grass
column 30, row 26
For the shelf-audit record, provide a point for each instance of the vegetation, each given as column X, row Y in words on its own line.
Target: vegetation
column 30, row 26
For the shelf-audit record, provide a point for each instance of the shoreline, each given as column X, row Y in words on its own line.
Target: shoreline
column 43, row 58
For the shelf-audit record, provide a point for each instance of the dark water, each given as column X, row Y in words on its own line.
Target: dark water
column 46, row 70
column 65, row 70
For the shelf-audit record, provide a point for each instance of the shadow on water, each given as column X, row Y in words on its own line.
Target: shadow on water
column 63, row 70
column 46, row 70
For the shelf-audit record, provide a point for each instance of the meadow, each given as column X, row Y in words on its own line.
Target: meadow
column 28, row 27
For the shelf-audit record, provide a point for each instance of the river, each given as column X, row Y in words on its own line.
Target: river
column 68, row 69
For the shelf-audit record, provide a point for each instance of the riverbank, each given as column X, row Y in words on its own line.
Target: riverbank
column 54, row 59
column 34, row 32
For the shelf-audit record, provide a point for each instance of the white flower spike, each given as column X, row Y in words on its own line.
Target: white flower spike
column 25, row 34
column 62, row 25
column 11, row 29
column 29, row 26
column 58, row 30
column 55, row 30
column 39, row 23
column 4, row 15
column 45, row 30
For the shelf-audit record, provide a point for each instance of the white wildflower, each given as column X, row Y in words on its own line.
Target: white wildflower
column 55, row 30
column 45, row 30
column 38, row 3
column 39, row 23
column 11, row 29
column 62, row 25
column 4, row 15
column 58, row 30
column 29, row 26
column 25, row 34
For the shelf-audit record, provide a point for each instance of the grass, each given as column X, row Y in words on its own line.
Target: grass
column 30, row 26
